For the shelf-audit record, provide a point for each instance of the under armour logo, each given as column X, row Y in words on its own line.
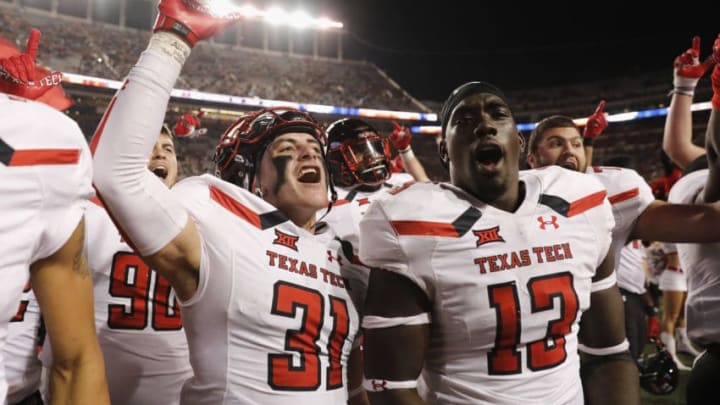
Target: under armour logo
column 488, row 235
column 378, row 385
column 363, row 201
column 331, row 257
column 544, row 223
column 286, row 240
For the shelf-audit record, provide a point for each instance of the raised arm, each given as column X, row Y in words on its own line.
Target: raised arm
column 609, row 374
column 712, row 136
column 400, row 138
column 677, row 137
column 142, row 206
column 63, row 287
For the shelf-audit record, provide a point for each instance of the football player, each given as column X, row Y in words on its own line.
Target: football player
column 265, row 309
column 482, row 283
column 137, row 315
column 701, row 260
column 45, row 181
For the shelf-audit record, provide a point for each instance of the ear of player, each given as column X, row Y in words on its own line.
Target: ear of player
column 195, row 20
column 596, row 122
column 20, row 76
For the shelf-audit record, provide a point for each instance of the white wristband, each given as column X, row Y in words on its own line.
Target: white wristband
column 375, row 385
column 356, row 391
column 380, row 322
column 605, row 351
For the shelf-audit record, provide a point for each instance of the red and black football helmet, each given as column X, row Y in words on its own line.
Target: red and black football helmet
column 659, row 374
column 357, row 154
column 238, row 153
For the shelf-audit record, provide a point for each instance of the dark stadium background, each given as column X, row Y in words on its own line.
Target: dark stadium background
column 549, row 57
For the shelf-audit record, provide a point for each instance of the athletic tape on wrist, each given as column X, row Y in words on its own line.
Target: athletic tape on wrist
column 682, row 90
column 170, row 44
column 407, row 153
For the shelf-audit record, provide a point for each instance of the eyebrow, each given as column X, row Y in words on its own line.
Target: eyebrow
column 490, row 104
column 296, row 141
column 562, row 138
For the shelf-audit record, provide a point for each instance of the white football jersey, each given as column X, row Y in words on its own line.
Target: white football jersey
column 629, row 195
column 630, row 268
column 507, row 289
column 700, row 263
column 272, row 321
column 344, row 219
column 45, row 177
column 399, row 179
column 22, row 364
column 137, row 318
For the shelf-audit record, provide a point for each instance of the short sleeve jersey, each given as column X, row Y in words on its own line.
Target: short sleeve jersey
column 629, row 196
column 507, row 289
column 45, row 178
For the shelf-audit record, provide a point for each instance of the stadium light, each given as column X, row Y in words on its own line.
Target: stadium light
column 274, row 15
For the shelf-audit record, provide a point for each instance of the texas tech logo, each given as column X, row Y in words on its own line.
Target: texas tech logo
column 283, row 239
column 488, row 235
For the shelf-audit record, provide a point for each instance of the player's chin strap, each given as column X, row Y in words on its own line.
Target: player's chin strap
column 333, row 199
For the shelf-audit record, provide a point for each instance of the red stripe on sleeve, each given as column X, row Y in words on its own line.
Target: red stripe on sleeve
column 586, row 203
column 101, row 127
column 625, row 195
column 422, row 228
column 33, row 157
column 235, row 207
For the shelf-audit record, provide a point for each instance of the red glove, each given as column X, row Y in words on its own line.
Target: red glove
column 653, row 327
column 19, row 75
column 195, row 20
column 186, row 125
column 400, row 137
column 687, row 69
column 596, row 123
column 715, row 77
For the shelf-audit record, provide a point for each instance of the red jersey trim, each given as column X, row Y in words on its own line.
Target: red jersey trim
column 235, row 207
column 34, row 157
column 625, row 195
column 101, row 127
column 586, row 203
column 423, row 228
column 570, row 209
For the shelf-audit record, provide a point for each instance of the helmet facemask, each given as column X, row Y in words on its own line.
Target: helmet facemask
column 360, row 161
column 357, row 155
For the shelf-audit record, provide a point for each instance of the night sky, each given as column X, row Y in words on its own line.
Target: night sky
column 430, row 47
